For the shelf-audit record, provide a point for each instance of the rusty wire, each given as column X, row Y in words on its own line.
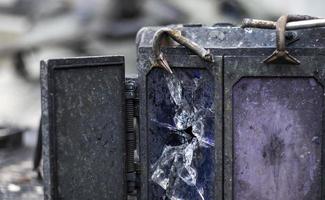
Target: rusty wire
column 300, row 22
column 159, row 58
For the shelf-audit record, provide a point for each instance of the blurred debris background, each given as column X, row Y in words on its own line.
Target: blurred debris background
column 34, row 30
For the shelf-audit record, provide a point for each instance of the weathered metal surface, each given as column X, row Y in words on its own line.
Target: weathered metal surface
column 83, row 128
column 240, row 52
column 225, row 40
column 277, row 138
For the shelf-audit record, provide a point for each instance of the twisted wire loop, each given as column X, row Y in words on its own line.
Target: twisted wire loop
column 281, row 55
column 175, row 34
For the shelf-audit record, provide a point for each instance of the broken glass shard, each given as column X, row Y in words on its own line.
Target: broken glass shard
column 181, row 139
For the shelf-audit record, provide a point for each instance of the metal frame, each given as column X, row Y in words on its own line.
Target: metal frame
column 237, row 67
column 179, row 58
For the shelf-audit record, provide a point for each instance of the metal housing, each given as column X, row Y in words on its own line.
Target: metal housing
column 196, row 125
column 239, row 54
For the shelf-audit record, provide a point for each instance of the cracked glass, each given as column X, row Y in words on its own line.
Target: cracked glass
column 181, row 134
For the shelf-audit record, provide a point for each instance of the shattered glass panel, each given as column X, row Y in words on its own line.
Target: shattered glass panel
column 277, row 139
column 181, row 135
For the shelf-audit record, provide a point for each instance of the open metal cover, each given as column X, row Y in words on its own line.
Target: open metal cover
column 83, row 128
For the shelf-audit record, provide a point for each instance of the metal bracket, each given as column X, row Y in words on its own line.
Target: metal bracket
column 160, row 60
column 281, row 55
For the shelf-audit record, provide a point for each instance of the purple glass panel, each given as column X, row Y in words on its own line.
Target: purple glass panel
column 277, row 139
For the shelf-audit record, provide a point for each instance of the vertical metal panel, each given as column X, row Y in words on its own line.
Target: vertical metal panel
column 84, row 141
column 181, row 153
column 274, row 128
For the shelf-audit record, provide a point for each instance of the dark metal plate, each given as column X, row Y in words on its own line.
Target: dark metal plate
column 83, row 127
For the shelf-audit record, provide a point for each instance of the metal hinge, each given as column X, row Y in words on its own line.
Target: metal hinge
column 132, row 116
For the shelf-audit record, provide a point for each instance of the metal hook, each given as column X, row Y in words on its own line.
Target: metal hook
column 281, row 55
column 159, row 58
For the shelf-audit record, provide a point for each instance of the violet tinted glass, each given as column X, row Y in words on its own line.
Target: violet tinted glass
column 277, row 139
